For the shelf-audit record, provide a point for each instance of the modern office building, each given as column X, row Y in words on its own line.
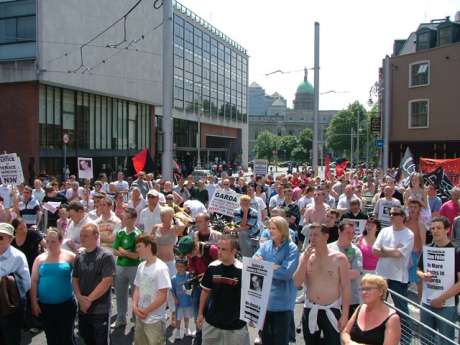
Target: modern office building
column 272, row 114
column 93, row 70
column 424, row 112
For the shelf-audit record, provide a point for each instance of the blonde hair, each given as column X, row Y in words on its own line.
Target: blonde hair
column 54, row 232
column 377, row 281
column 166, row 210
column 245, row 197
column 282, row 225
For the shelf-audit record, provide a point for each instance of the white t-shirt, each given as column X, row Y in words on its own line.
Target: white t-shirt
column 149, row 279
column 275, row 201
column 258, row 204
column 395, row 268
column 5, row 193
column 195, row 206
column 382, row 210
column 121, row 186
column 149, row 218
column 73, row 232
column 140, row 206
column 71, row 194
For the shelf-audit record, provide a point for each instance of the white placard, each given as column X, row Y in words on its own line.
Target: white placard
column 360, row 225
column 255, row 289
column 260, row 167
column 440, row 262
column 85, row 168
column 11, row 169
column 224, row 202
column 51, row 206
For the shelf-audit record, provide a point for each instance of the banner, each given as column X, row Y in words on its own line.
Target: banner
column 11, row 169
column 255, row 289
column 440, row 263
column 260, row 167
column 360, row 225
column 441, row 181
column 85, row 168
column 224, row 202
column 451, row 167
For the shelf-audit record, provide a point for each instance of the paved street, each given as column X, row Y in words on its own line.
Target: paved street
column 125, row 337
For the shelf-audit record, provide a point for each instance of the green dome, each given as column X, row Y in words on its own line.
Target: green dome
column 305, row 87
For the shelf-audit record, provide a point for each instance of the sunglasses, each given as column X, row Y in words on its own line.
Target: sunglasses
column 395, row 214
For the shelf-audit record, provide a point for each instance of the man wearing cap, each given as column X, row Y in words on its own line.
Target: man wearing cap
column 13, row 262
column 151, row 214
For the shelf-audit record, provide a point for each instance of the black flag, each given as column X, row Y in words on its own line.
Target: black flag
column 441, row 181
column 407, row 167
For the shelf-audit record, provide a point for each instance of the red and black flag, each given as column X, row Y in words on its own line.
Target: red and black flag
column 142, row 161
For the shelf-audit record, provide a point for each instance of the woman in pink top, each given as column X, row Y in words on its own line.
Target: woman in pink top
column 365, row 244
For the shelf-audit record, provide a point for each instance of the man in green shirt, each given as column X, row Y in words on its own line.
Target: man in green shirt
column 124, row 247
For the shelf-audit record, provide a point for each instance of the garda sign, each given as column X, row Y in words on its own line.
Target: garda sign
column 260, row 167
column 224, row 202
column 11, row 169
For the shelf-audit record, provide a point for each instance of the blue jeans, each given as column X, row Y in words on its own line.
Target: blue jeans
column 401, row 305
column 449, row 313
column 276, row 328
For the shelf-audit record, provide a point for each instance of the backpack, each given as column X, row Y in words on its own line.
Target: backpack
column 9, row 295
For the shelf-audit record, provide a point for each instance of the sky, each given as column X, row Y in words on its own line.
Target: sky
column 355, row 36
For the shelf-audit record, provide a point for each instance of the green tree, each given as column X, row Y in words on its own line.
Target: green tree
column 299, row 154
column 287, row 143
column 306, row 139
column 338, row 133
column 266, row 143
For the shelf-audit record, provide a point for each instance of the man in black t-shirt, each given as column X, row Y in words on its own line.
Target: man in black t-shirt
column 444, row 304
column 219, row 313
column 91, row 279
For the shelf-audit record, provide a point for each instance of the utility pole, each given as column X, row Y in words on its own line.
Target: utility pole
column 357, row 138
column 316, row 102
column 387, row 113
column 167, row 157
column 351, row 146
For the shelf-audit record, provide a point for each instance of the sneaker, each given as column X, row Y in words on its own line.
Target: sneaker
column 177, row 334
column 118, row 324
column 300, row 299
column 257, row 341
column 188, row 332
column 194, row 334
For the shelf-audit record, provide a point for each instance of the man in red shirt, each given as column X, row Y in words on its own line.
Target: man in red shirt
column 451, row 208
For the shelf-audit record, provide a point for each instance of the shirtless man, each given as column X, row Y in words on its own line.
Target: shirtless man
column 325, row 274
column 316, row 213
column 415, row 225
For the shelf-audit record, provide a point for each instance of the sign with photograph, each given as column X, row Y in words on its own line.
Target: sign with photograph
column 360, row 225
column 85, row 168
column 255, row 289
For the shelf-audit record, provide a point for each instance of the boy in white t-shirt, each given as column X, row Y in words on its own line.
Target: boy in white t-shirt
column 152, row 283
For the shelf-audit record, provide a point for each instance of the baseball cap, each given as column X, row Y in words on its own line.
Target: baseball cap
column 185, row 245
column 7, row 229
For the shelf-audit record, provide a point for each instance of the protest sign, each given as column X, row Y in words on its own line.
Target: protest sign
column 255, row 289
column 260, row 167
column 224, row 202
column 439, row 262
column 11, row 169
column 85, row 168
column 360, row 225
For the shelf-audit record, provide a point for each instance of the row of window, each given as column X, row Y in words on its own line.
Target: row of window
column 91, row 121
column 17, row 29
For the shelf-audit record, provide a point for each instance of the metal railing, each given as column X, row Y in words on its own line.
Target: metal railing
column 415, row 332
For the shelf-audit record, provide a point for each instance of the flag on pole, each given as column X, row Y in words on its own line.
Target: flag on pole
column 327, row 169
column 407, row 167
column 143, row 161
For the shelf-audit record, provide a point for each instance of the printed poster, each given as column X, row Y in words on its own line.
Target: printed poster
column 224, row 202
column 85, row 168
column 255, row 289
column 440, row 263
column 11, row 169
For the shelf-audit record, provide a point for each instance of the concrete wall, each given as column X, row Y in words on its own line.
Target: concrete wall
column 64, row 25
column 443, row 93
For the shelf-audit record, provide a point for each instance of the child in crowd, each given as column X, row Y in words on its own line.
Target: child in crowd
column 183, row 300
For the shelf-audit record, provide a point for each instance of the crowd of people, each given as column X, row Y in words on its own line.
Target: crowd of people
column 338, row 246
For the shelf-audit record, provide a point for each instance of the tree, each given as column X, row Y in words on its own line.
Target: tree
column 306, row 139
column 266, row 143
column 299, row 154
column 287, row 143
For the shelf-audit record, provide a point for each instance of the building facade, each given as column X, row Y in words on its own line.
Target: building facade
column 424, row 111
column 62, row 72
column 280, row 120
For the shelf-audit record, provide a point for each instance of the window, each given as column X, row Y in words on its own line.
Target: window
column 19, row 29
column 445, row 35
column 419, row 73
column 419, row 113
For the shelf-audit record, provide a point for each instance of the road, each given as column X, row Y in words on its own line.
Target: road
column 125, row 337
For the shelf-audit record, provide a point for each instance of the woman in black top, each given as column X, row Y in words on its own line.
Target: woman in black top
column 28, row 241
column 373, row 323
